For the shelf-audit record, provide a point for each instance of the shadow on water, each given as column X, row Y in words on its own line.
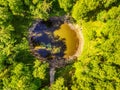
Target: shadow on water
column 42, row 38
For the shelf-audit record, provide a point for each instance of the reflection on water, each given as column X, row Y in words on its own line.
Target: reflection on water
column 70, row 37
column 54, row 39
column 45, row 43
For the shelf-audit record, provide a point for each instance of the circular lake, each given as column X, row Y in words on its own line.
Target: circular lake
column 55, row 39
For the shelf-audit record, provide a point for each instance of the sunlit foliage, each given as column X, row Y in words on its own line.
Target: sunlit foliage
column 98, row 67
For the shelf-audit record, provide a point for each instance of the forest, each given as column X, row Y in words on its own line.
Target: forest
column 97, row 68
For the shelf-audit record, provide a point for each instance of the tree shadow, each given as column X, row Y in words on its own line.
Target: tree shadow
column 25, row 57
column 21, row 26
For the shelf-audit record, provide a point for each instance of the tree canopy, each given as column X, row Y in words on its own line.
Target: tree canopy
column 97, row 68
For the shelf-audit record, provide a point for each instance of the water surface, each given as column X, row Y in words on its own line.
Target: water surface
column 71, row 39
column 54, row 39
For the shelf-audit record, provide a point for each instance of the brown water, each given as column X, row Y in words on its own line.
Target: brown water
column 70, row 37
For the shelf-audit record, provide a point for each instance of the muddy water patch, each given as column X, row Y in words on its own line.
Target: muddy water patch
column 71, row 39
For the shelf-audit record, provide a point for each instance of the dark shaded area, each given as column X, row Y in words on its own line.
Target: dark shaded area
column 42, row 36
column 20, row 28
column 44, row 53
column 24, row 56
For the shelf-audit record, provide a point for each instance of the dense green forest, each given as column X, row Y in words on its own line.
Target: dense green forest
column 97, row 68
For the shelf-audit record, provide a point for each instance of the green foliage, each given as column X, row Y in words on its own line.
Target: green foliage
column 58, row 85
column 113, row 13
column 20, row 79
column 98, row 67
column 88, row 10
column 39, row 9
column 3, row 3
column 82, row 8
column 109, row 3
column 99, row 64
column 55, row 8
column 6, row 48
column 16, row 6
column 66, row 4
column 39, row 69
column 5, row 15
column 27, row 2
column 2, row 63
